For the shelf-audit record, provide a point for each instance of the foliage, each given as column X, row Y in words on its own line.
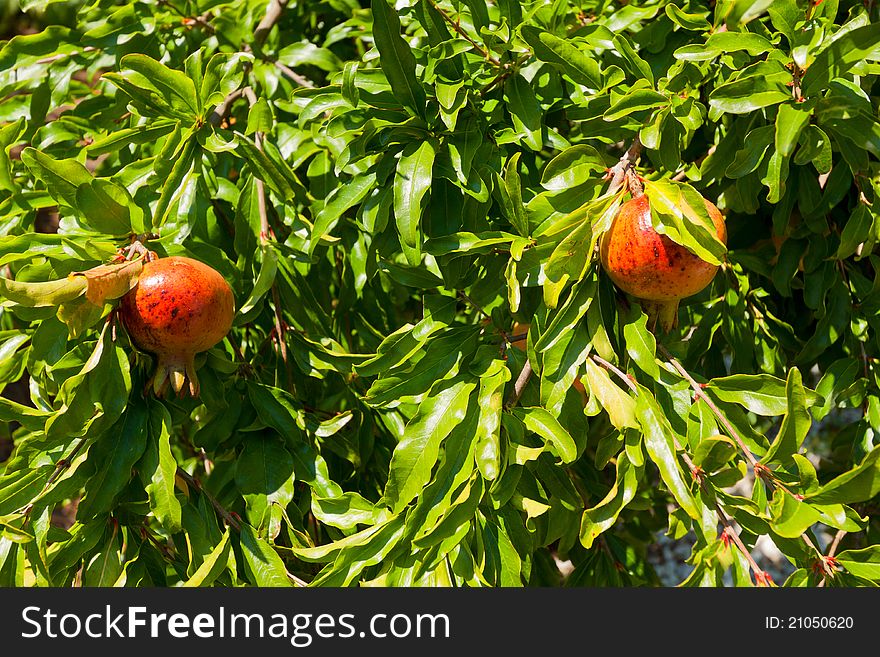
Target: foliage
column 394, row 191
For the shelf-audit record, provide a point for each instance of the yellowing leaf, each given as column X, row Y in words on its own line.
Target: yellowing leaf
column 112, row 281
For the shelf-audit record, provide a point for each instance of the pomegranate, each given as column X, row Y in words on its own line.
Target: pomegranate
column 178, row 308
column 650, row 266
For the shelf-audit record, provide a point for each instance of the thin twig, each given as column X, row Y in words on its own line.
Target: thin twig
column 698, row 390
column 761, row 471
column 476, row 306
column 520, row 385
column 222, row 109
column 617, row 173
column 455, row 26
column 273, row 13
column 760, row 574
column 293, row 75
column 265, row 236
column 227, row 517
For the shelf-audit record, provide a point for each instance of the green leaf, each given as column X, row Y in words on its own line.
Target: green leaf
column 563, row 321
column 632, row 60
column 681, row 214
column 396, row 57
column 790, row 121
column 619, row 405
column 347, row 511
column 525, row 110
column 338, row 202
column 858, row 230
column 416, row 453
column 693, row 22
column 154, row 78
column 9, row 135
column 276, row 408
column 541, row 422
column 601, row 517
column 795, row 424
column 278, row 176
column 863, row 563
column 412, row 181
column 105, row 206
column 571, row 167
column 857, row 485
column 260, row 118
column 263, row 466
column 815, row 148
column 114, row 456
column 713, row 452
column 158, row 469
column 173, row 186
column 748, row 94
column 749, row 157
column 307, row 53
column 513, row 187
column 263, row 283
column 62, row 177
column 641, row 345
column 791, row 517
column 573, row 61
column 723, row 43
column 661, row 449
column 636, row 100
column 213, row 565
column 490, row 400
column 838, row 58
column 261, row 562
column 762, row 394
column 40, row 295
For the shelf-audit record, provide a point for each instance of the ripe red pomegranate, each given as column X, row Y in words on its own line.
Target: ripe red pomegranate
column 178, row 308
column 650, row 266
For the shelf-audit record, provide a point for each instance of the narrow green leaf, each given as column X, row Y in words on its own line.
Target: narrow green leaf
column 158, row 469
column 573, row 61
column 105, row 206
column 601, row 517
column 212, row 566
column 791, row 517
column 544, row 424
column 660, row 445
column 619, row 405
column 261, row 561
column 114, row 456
column 419, row 446
column 790, row 121
column 763, row 394
column 412, row 181
column 396, row 57
column 62, row 177
column 857, row 485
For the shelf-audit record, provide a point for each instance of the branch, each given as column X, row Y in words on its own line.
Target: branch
column 761, row 577
column 457, row 27
column 227, row 517
column 222, row 109
column 520, row 385
column 761, row 471
column 699, row 392
column 617, row 173
column 273, row 13
column 293, row 75
column 265, row 233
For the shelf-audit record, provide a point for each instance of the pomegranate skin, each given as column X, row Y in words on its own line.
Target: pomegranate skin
column 178, row 308
column 650, row 266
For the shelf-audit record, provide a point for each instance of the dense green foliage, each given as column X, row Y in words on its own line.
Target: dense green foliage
column 393, row 192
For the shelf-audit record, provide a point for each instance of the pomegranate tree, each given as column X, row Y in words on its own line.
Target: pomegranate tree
column 651, row 267
column 178, row 308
